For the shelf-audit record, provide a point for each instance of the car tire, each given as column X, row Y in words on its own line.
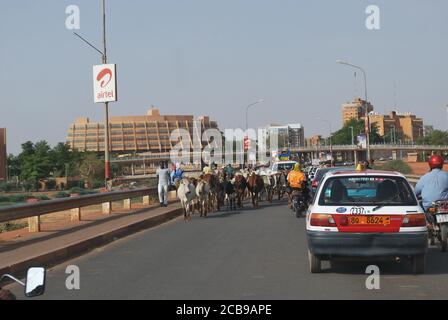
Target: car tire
column 315, row 263
column 444, row 236
column 418, row 264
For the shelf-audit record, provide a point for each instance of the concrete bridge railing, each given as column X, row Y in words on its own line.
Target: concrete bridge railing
column 35, row 210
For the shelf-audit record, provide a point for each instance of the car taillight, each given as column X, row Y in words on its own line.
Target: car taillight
column 322, row 220
column 314, row 184
column 414, row 220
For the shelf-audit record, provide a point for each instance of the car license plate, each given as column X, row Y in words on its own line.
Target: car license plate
column 441, row 218
column 369, row 220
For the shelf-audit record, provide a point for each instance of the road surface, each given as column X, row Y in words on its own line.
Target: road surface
column 251, row 254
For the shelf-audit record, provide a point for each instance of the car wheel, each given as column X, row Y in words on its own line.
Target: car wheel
column 444, row 236
column 418, row 264
column 315, row 263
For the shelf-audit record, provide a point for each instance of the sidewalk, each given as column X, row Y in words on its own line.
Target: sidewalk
column 51, row 247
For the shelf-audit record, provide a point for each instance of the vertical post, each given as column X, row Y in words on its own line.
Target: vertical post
column 34, row 224
column 75, row 214
column 106, row 104
column 107, row 207
column 127, row 204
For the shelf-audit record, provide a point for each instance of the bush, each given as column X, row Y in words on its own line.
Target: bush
column 6, row 187
column 97, row 184
column 11, row 226
column 61, row 194
column 42, row 198
column 82, row 191
column 397, row 165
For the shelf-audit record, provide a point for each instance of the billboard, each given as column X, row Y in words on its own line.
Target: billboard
column 362, row 141
column 105, row 83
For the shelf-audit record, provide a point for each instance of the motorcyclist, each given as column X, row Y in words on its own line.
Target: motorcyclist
column 433, row 186
column 297, row 181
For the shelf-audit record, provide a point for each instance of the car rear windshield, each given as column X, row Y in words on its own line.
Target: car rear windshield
column 367, row 190
column 285, row 166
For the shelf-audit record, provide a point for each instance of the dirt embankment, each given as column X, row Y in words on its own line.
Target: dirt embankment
column 421, row 168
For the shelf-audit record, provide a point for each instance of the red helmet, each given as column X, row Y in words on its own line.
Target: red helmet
column 436, row 162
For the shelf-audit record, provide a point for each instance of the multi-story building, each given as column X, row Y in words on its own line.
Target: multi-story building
column 145, row 133
column 3, row 157
column 399, row 126
column 355, row 110
column 290, row 136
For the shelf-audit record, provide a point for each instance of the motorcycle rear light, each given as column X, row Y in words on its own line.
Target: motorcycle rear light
column 414, row 220
column 322, row 220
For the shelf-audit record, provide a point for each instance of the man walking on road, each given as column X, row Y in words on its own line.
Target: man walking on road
column 163, row 175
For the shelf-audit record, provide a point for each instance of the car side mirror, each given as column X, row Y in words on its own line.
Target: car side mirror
column 35, row 282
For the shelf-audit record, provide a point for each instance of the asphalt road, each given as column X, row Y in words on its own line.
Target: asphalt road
column 252, row 254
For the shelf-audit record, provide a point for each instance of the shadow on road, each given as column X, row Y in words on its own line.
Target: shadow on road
column 248, row 208
column 436, row 264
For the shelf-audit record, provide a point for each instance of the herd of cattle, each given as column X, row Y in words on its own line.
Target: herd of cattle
column 212, row 192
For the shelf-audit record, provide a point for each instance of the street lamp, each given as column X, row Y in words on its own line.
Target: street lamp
column 248, row 107
column 103, row 53
column 330, row 140
column 353, row 136
column 367, row 129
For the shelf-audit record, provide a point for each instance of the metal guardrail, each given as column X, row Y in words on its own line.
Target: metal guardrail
column 35, row 210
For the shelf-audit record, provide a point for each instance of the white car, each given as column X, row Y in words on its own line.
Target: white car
column 366, row 214
column 283, row 166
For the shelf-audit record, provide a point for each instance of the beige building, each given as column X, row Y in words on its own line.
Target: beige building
column 400, row 126
column 150, row 132
column 355, row 110
column 3, row 155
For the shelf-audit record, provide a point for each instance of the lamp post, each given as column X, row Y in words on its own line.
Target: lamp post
column 103, row 53
column 330, row 140
column 366, row 107
column 247, row 110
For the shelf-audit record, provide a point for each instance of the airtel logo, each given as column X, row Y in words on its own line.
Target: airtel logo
column 102, row 75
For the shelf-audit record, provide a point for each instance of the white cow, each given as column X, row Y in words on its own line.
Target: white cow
column 187, row 195
column 203, row 194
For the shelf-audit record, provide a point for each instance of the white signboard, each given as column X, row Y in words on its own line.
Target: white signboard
column 105, row 83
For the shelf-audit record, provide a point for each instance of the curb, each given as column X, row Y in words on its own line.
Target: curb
column 59, row 255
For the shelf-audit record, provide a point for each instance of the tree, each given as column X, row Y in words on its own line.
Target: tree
column 35, row 162
column 344, row 135
column 434, row 138
column 13, row 165
column 92, row 168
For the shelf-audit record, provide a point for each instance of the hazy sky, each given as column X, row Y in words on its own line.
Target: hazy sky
column 214, row 57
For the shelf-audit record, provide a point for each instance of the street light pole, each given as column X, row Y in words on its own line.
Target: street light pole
column 103, row 53
column 106, row 105
column 247, row 110
column 367, row 120
column 330, row 139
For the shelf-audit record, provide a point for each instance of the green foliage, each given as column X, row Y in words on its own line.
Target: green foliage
column 11, row 226
column 344, row 135
column 81, row 191
column 435, row 138
column 61, row 194
column 6, row 187
column 397, row 165
column 38, row 161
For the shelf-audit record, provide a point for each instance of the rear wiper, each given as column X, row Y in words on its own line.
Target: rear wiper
column 378, row 207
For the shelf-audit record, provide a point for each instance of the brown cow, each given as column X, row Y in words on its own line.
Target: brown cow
column 240, row 188
column 255, row 185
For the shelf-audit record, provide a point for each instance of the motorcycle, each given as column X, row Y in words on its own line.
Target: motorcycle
column 34, row 284
column 439, row 211
column 299, row 202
